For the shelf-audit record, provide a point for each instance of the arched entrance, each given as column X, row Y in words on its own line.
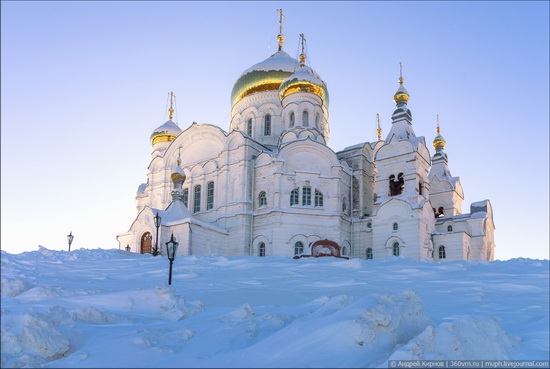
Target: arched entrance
column 146, row 243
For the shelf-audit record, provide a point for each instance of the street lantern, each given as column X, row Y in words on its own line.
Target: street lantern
column 128, row 247
column 70, row 238
column 171, row 250
column 157, row 224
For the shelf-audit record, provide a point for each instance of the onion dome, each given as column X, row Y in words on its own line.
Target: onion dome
column 177, row 174
column 439, row 141
column 304, row 79
column 264, row 76
column 165, row 133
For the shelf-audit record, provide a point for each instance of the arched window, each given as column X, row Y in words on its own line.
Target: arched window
column 344, row 250
column 306, row 196
column 186, row 197
column 292, row 119
column 442, row 254
column 197, row 199
column 449, row 228
column 318, row 198
column 395, row 226
column 305, row 119
column 317, row 117
column 369, row 253
column 267, row 125
column 261, row 249
column 294, row 200
column 249, row 127
column 396, row 249
column 262, row 199
column 298, row 248
column 344, row 205
column 440, row 212
column 397, row 186
column 209, row 195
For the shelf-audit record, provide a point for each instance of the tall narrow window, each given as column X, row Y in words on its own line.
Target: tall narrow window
column 186, row 198
column 344, row 205
column 395, row 226
column 420, row 187
column 261, row 249
column 294, row 200
column 262, row 199
column 292, row 119
column 442, row 254
column 396, row 249
column 298, row 248
column 306, row 196
column 318, row 198
column 197, row 199
column 369, row 253
column 305, row 119
column 344, row 250
column 209, row 195
column 317, row 121
column 267, row 125
column 249, row 127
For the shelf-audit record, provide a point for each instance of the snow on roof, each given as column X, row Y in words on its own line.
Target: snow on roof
column 278, row 61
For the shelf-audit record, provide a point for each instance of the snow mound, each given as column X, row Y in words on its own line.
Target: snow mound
column 462, row 339
column 33, row 338
column 13, row 287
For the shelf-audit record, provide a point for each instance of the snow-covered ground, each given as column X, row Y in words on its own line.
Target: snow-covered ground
column 111, row 308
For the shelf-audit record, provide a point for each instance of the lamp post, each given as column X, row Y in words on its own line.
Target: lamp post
column 157, row 224
column 128, row 247
column 70, row 238
column 171, row 248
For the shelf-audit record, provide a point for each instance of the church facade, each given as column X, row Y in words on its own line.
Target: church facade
column 271, row 185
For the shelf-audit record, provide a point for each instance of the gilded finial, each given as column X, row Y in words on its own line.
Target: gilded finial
column 378, row 130
column 439, row 141
column 280, row 37
column 401, row 79
column 303, row 54
column 171, row 110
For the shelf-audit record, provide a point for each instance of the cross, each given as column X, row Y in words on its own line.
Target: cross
column 437, row 129
column 281, row 16
column 303, row 40
column 171, row 110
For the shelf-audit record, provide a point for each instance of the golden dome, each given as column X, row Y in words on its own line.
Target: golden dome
column 402, row 95
column 165, row 133
column 304, row 80
column 439, row 142
column 264, row 76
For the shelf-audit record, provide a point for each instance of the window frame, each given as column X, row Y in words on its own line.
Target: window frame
column 267, row 125
column 210, row 195
column 262, row 199
column 306, row 196
column 197, row 199
column 318, row 198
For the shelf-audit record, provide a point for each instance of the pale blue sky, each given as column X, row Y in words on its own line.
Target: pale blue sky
column 83, row 85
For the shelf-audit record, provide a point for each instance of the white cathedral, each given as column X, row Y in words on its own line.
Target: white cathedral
column 271, row 185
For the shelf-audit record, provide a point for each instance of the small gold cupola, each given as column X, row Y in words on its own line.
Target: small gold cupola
column 304, row 80
column 402, row 95
column 169, row 130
